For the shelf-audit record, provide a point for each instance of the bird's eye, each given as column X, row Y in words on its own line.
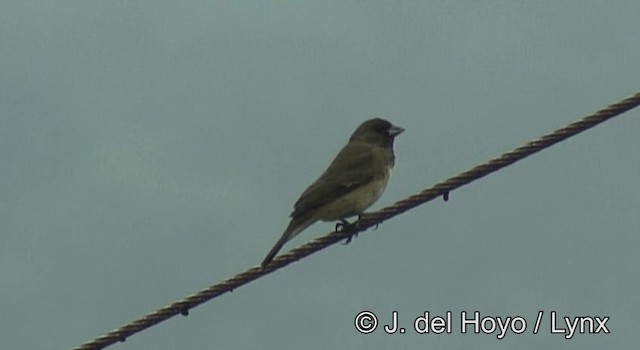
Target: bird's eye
column 383, row 128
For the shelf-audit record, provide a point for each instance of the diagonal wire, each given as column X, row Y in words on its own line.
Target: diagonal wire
column 365, row 221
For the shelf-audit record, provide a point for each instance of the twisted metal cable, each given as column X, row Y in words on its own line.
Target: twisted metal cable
column 364, row 222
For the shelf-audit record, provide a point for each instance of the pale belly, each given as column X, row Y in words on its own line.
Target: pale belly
column 355, row 202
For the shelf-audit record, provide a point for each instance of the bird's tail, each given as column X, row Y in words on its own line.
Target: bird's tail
column 297, row 225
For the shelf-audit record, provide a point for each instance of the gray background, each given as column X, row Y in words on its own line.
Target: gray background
column 152, row 148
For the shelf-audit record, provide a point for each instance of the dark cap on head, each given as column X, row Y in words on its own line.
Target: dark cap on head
column 376, row 131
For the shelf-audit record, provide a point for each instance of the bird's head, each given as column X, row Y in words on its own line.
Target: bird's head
column 376, row 131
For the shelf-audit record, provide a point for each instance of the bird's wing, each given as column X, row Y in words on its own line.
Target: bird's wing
column 352, row 168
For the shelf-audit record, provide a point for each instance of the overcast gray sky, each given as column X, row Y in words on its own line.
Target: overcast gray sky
column 152, row 148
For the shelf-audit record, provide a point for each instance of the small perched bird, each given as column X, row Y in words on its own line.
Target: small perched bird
column 352, row 183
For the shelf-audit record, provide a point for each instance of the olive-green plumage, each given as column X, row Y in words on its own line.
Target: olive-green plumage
column 352, row 183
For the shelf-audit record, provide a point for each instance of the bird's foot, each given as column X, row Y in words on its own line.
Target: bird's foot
column 345, row 226
column 376, row 225
column 350, row 238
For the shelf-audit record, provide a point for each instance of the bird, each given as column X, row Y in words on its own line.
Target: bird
column 354, row 180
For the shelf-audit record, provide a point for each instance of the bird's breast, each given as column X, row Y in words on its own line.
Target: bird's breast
column 356, row 201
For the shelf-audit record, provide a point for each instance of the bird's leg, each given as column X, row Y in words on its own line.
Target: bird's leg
column 358, row 223
column 342, row 225
column 349, row 226
column 345, row 226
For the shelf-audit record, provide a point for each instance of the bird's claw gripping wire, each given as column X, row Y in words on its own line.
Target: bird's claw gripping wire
column 343, row 225
column 346, row 226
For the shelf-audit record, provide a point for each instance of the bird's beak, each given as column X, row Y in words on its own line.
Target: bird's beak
column 395, row 131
